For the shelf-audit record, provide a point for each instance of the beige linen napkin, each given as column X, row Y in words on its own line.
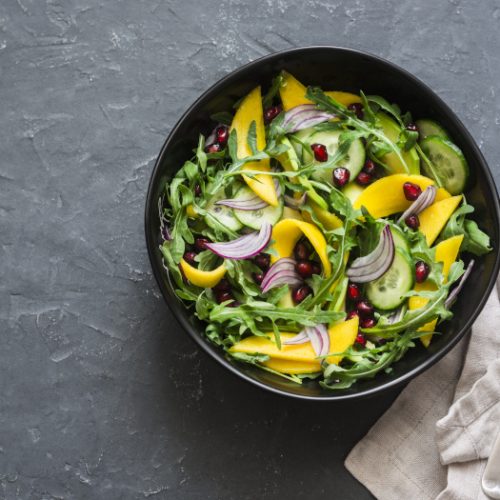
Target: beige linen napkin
column 422, row 448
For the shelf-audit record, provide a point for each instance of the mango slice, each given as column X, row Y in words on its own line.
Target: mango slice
column 434, row 218
column 411, row 159
column 342, row 336
column 250, row 110
column 203, row 279
column 386, row 196
column 191, row 212
column 292, row 93
column 447, row 253
column 290, row 213
column 287, row 232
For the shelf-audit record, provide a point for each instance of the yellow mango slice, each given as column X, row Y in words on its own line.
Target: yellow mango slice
column 330, row 221
column 292, row 367
column 287, row 232
column 250, row 110
column 293, row 93
column 447, row 253
column 386, row 196
column 290, row 213
column 204, row 279
column 191, row 212
column 434, row 218
column 411, row 159
column 342, row 335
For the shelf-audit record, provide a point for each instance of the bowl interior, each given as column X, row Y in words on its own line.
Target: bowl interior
column 340, row 69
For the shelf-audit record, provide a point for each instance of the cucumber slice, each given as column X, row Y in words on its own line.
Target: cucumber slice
column 427, row 128
column 449, row 162
column 387, row 292
column 352, row 191
column 301, row 136
column 400, row 240
column 330, row 138
column 222, row 214
column 254, row 218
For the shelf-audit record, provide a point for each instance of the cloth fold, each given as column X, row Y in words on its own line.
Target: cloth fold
column 422, row 447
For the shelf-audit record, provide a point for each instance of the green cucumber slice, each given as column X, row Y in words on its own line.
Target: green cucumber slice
column 449, row 162
column 399, row 238
column 330, row 139
column 300, row 137
column 387, row 292
column 426, row 128
column 255, row 218
column 223, row 215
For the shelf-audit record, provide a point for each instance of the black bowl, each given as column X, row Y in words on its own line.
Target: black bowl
column 349, row 70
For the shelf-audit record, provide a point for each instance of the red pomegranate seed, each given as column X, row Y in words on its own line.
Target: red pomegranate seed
column 412, row 221
column 365, row 309
column 301, row 251
column 213, row 148
column 258, row 277
column 262, row 260
column 197, row 190
column 320, row 152
column 304, row 268
column 300, row 293
column 352, row 314
column 222, row 134
column 341, row 176
column 353, row 292
column 369, row 167
column 271, row 113
column 357, row 109
column 223, row 296
column 367, row 322
column 200, row 244
column 234, row 303
column 189, row 258
column 364, row 179
column 360, row 339
column 422, row 270
column 316, row 268
column 412, row 191
column 222, row 286
column 412, row 127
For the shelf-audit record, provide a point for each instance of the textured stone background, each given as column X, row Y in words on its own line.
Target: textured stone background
column 102, row 395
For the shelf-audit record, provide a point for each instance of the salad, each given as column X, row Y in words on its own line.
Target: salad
column 320, row 234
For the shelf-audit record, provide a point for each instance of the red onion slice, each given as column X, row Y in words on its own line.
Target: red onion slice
column 282, row 272
column 245, row 246
column 304, row 116
column 164, row 231
column 375, row 264
column 248, row 204
column 454, row 293
column 421, row 203
column 292, row 202
column 317, row 335
column 300, row 338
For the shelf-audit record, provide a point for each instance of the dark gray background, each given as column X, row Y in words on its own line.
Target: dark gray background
column 102, row 395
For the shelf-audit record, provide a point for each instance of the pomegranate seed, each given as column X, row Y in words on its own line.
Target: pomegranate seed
column 223, row 296
column 357, row 109
column 422, row 270
column 300, row 293
column 234, row 303
column 341, row 176
column 222, row 286
column 301, row 251
column 412, row 191
column 364, row 179
column 320, row 152
column 258, row 277
column 304, row 268
column 197, row 190
column 412, row 221
column 262, row 260
column 412, row 127
column 352, row 314
column 353, row 292
column 364, row 308
column 367, row 322
column 316, row 268
column 222, row 134
column 189, row 258
column 369, row 167
column 271, row 113
column 360, row 339
column 200, row 244
column 213, row 148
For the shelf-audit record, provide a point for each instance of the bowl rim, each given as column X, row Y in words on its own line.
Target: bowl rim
column 179, row 310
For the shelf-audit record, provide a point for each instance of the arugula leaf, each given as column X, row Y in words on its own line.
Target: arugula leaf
column 273, row 91
column 224, row 117
column 252, row 138
column 232, row 145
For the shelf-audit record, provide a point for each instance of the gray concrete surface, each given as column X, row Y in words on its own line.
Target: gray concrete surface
column 102, row 396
